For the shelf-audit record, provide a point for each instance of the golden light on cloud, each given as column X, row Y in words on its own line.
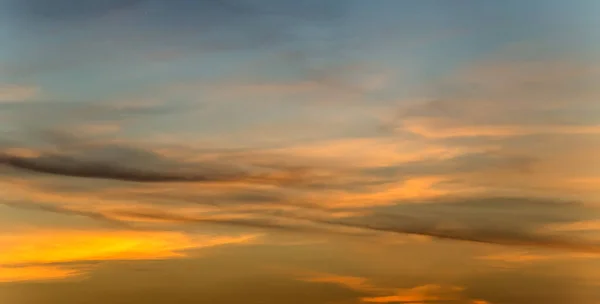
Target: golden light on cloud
column 22, row 152
column 419, row 294
column 417, row 188
column 515, row 257
column 371, row 151
column 157, row 151
column 35, row 273
column 35, row 250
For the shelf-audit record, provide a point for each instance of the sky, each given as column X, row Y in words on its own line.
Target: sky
column 322, row 152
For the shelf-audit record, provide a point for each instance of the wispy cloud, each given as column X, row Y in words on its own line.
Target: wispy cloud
column 513, row 222
column 577, row 226
column 430, row 293
column 440, row 130
column 508, row 99
column 66, row 166
column 57, row 254
column 35, row 273
column 17, row 93
column 107, row 162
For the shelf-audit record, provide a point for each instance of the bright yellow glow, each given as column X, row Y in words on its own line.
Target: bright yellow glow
column 35, row 273
column 41, row 248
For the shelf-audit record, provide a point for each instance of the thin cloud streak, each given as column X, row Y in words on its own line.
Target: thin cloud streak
column 401, row 224
column 65, row 166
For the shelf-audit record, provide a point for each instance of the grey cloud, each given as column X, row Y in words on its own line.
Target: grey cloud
column 73, row 167
column 77, row 156
column 511, row 231
column 495, row 220
column 67, row 211
column 484, row 235
column 259, row 223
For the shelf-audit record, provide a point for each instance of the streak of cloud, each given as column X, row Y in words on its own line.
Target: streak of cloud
column 33, row 255
column 436, row 225
column 105, row 164
column 75, row 168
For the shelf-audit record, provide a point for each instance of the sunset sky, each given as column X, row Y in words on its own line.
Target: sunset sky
column 299, row 152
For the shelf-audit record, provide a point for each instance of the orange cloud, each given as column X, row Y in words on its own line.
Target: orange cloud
column 28, row 254
column 22, row 152
column 592, row 225
column 417, row 295
column 35, row 273
column 516, row 257
column 360, row 152
column 412, row 189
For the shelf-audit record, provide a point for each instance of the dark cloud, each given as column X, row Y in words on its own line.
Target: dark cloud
column 487, row 235
column 77, row 155
column 501, row 221
column 73, row 167
column 436, row 226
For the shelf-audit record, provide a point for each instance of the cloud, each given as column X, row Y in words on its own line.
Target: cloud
column 465, row 153
column 421, row 294
column 58, row 254
column 577, row 226
column 512, row 222
column 17, row 93
column 515, row 257
column 508, row 99
column 295, row 192
column 88, row 160
column 524, row 258
column 486, row 236
column 355, row 283
column 35, row 273
column 430, row 293
column 441, row 130
column 65, row 166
